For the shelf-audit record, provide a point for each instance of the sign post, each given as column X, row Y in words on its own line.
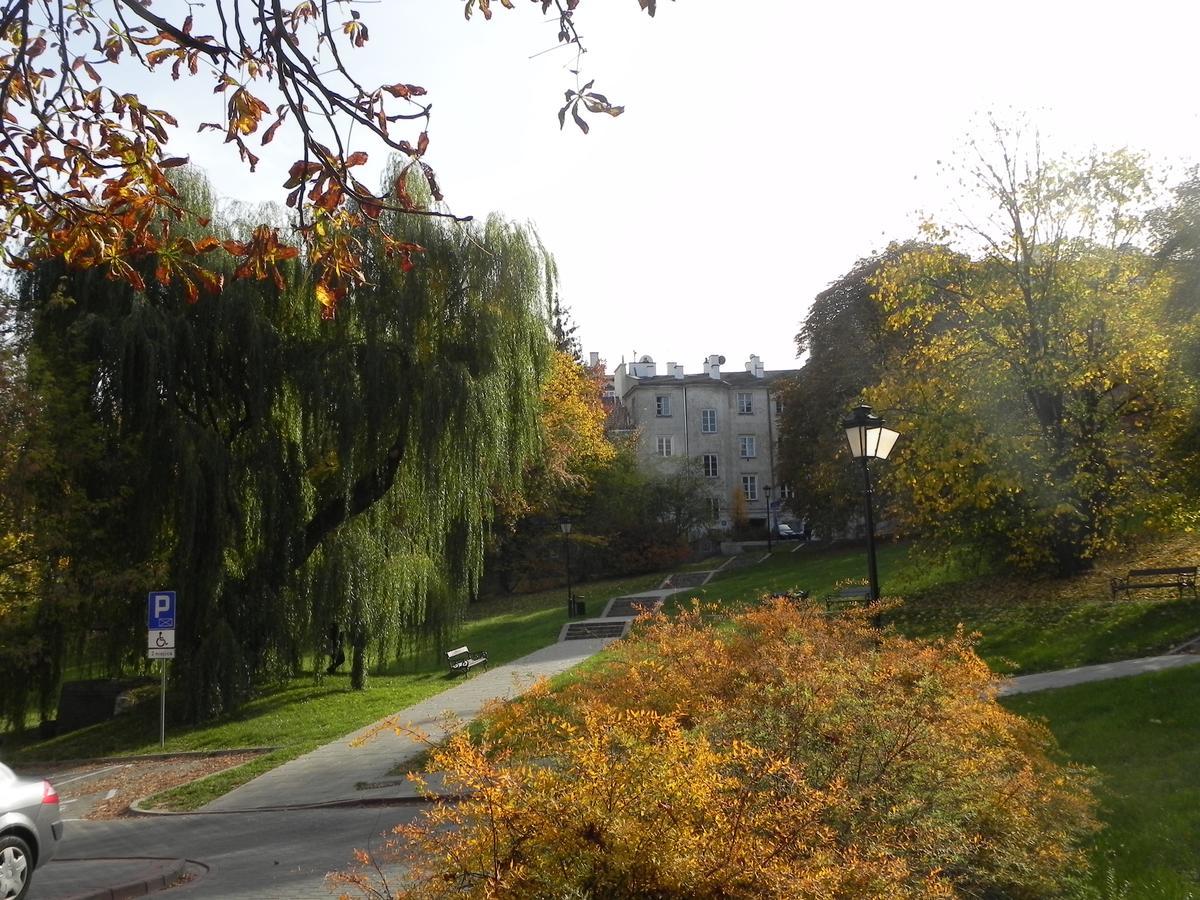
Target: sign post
column 160, row 621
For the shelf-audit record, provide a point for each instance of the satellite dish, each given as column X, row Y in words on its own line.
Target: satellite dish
column 721, row 360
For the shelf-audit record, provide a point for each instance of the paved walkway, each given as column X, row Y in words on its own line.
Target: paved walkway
column 339, row 772
column 1046, row 681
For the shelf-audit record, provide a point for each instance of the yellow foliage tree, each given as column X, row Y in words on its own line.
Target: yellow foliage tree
column 1037, row 381
column 573, row 422
column 790, row 756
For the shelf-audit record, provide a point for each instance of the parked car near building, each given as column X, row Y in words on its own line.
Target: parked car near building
column 786, row 532
column 30, row 830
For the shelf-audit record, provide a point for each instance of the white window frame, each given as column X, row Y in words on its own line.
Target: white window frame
column 747, row 442
column 708, row 421
column 745, row 403
column 666, row 445
column 787, row 492
column 714, row 508
column 662, row 405
column 750, row 488
column 714, row 470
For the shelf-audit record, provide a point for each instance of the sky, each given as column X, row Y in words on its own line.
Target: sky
column 766, row 144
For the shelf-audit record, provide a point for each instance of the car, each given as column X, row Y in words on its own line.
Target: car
column 786, row 532
column 30, row 830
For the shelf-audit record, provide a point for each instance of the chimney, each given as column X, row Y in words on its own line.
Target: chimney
column 755, row 366
column 645, row 367
column 713, row 364
column 678, row 371
column 593, row 359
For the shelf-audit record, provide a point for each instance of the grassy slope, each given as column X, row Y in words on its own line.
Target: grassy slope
column 301, row 714
column 1025, row 625
column 1143, row 736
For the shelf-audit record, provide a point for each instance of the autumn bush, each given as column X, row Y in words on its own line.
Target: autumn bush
column 777, row 754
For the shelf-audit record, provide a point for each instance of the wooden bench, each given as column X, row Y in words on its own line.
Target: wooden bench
column 851, row 595
column 463, row 660
column 1181, row 578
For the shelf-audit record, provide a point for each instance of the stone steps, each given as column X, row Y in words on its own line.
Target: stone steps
column 594, row 629
column 630, row 607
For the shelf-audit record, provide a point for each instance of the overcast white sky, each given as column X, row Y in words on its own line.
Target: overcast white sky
column 767, row 144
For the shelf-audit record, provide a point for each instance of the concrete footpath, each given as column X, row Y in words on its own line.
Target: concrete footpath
column 341, row 773
column 1048, row 681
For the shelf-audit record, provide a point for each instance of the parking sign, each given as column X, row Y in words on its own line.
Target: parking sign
column 160, row 610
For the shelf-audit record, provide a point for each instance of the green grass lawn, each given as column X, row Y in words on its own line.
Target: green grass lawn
column 809, row 568
column 302, row 713
column 1142, row 735
column 1025, row 625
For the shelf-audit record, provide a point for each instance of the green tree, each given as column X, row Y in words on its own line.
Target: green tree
column 1034, row 380
column 845, row 342
column 279, row 470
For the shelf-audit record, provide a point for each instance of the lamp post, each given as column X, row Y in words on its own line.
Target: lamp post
column 564, row 523
column 767, row 492
column 869, row 440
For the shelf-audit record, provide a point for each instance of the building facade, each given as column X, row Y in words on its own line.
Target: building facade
column 725, row 422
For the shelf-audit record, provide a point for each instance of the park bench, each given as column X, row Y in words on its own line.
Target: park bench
column 1180, row 578
column 851, row 595
column 463, row 660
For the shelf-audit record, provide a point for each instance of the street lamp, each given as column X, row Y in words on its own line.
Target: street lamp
column 767, row 491
column 564, row 523
column 869, row 440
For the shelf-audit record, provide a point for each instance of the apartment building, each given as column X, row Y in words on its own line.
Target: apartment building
column 726, row 421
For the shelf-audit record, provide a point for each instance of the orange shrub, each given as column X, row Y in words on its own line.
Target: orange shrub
column 789, row 755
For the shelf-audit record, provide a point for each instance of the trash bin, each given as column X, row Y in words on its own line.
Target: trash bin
column 577, row 607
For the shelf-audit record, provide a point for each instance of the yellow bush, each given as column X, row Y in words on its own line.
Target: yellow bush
column 789, row 756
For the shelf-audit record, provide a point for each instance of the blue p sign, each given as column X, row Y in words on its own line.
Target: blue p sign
column 160, row 610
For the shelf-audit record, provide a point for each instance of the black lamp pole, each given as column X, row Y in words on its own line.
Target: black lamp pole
column 767, row 491
column 869, row 440
column 872, row 571
column 565, row 524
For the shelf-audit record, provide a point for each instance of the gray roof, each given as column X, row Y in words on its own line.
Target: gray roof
column 733, row 379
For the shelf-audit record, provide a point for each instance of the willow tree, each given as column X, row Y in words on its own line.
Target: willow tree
column 280, row 470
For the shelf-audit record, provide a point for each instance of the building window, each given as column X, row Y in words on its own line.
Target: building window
column 665, row 446
column 778, row 405
column 714, row 508
column 746, row 446
column 745, row 403
column 708, row 421
column 710, row 465
column 787, row 492
column 662, row 405
column 750, row 487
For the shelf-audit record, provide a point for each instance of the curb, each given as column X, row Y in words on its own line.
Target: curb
column 352, row 803
column 136, row 888
column 142, row 757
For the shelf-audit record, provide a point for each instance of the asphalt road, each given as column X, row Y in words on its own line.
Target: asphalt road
column 256, row 855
